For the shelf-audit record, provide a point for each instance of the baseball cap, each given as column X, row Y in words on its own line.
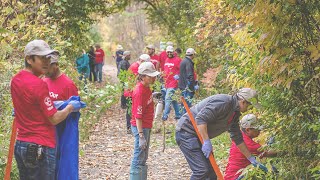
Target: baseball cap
column 249, row 95
column 126, row 53
column 38, row 48
column 144, row 57
column 169, row 49
column 119, row 47
column 169, row 43
column 147, row 68
column 54, row 57
column 190, row 51
column 250, row 121
column 150, row 46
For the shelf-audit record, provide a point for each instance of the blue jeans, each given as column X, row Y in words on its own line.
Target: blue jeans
column 188, row 96
column 167, row 103
column 43, row 168
column 190, row 146
column 98, row 70
column 138, row 169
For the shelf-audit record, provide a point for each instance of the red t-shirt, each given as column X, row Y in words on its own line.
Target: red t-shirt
column 33, row 106
column 99, row 56
column 237, row 160
column 162, row 59
column 134, row 68
column 171, row 68
column 142, row 106
column 155, row 60
column 62, row 88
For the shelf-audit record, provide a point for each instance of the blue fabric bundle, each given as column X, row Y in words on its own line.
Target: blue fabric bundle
column 67, row 136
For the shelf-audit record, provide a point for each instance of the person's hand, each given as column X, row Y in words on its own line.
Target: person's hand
column 76, row 105
column 176, row 77
column 142, row 143
column 196, row 87
column 255, row 163
column 207, row 148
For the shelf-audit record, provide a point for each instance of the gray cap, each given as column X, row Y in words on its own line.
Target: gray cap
column 144, row 57
column 126, row 53
column 39, row 48
column 250, row 121
column 147, row 68
column 249, row 95
column 54, row 57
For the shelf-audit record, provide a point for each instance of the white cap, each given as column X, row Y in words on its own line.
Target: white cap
column 190, row 51
column 144, row 57
column 54, row 57
column 169, row 43
column 250, row 121
column 119, row 47
column 150, row 46
column 38, row 48
column 169, row 49
column 147, row 68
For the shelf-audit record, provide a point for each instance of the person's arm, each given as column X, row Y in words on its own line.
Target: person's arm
column 139, row 126
column 244, row 150
column 60, row 116
column 203, row 131
column 270, row 153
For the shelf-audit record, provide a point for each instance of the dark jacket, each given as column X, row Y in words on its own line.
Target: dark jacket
column 92, row 57
column 186, row 77
column 123, row 65
column 216, row 111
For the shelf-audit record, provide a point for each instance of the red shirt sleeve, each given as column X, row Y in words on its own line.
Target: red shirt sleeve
column 139, row 104
column 44, row 100
column 71, row 90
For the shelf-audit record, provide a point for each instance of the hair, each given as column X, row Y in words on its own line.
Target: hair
column 26, row 64
column 140, row 76
column 178, row 50
column 97, row 45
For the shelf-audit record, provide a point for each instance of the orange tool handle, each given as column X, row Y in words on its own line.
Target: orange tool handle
column 11, row 149
column 211, row 157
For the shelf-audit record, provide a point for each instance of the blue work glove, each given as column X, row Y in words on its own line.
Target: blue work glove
column 13, row 113
column 176, row 77
column 196, row 87
column 207, row 148
column 77, row 105
column 142, row 143
column 255, row 163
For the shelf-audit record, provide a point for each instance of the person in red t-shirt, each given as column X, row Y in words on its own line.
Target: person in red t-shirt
column 100, row 57
column 154, row 58
column 171, row 76
column 142, row 118
column 237, row 160
column 35, row 115
column 61, row 87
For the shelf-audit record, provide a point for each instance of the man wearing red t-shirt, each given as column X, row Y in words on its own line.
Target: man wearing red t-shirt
column 61, row 87
column 171, row 76
column 99, row 62
column 142, row 118
column 237, row 160
column 35, row 115
column 154, row 58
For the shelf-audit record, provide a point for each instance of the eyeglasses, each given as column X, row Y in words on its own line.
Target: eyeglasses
column 170, row 52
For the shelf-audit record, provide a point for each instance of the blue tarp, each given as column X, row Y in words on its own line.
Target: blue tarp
column 67, row 137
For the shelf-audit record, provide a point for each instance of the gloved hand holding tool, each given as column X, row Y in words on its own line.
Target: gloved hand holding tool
column 176, row 77
column 255, row 163
column 207, row 148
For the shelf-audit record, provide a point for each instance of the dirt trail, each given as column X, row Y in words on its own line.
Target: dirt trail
column 108, row 151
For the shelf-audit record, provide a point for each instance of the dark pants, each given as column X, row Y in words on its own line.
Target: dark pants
column 92, row 73
column 43, row 168
column 190, row 146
